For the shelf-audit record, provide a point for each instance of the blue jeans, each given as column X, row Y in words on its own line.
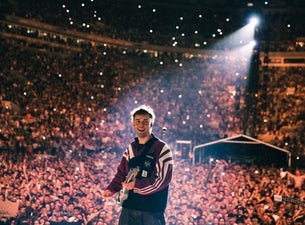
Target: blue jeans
column 136, row 217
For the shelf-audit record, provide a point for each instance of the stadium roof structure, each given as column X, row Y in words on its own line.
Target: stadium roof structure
column 244, row 149
column 229, row 3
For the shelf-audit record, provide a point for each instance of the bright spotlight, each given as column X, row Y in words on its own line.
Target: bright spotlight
column 254, row 21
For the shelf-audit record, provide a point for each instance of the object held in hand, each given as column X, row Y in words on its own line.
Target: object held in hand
column 123, row 195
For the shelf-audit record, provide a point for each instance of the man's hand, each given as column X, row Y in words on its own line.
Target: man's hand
column 107, row 194
column 129, row 186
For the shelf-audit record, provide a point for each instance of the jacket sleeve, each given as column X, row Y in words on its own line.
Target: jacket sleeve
column 120, row 176
column 160, row 177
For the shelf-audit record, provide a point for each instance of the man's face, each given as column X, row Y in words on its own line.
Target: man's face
column 142, row 125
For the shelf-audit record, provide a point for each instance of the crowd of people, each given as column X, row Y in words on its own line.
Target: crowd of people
column 196, row 25
column 67, row 189
column 68, row 128
column 64, row 122
column 81, row 100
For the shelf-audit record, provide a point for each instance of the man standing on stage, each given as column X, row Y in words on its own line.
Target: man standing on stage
column 143, row 175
